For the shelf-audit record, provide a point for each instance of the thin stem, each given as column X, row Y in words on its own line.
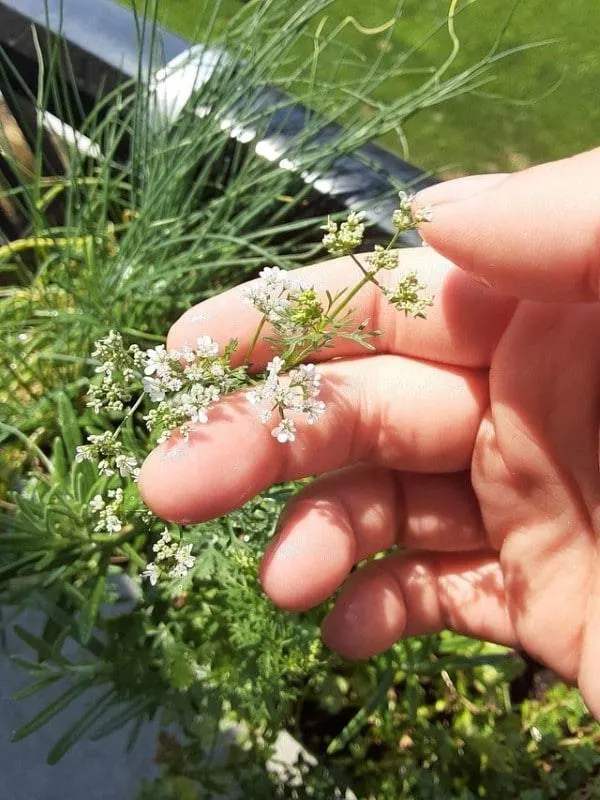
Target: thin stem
column 365, row 272
column 149, row 337
column 368, row 278
column 29, row 444
column 132, row 554
column 38, row 242
column 254, row 341
column 130, row 413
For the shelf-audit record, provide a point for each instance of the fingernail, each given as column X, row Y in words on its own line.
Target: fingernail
column 458, row 189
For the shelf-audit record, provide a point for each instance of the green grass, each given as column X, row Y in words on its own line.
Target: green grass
column 530, row 123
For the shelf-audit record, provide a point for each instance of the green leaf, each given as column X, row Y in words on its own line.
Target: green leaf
column 50, row 711
column 89, row 612
column 59, row 460
column 14, row 567
column 83, row 477
column 32, row 667
column 55, row 635
column 94, row 711
column 120, row 720
column 69, row 427
column 360, row 719
column 40, row 645
column 19, row 542
column 64, row 622
column 36, row 686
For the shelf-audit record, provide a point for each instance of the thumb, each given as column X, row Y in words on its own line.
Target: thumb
column 533, row 234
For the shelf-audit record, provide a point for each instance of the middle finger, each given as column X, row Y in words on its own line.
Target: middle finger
column 387, row 410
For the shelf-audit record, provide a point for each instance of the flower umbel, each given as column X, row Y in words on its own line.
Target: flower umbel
column 296, row 392
column 408, row 297
column 343, row 239
column 186, row 383
column 118, row 370
column 107, row 514
column 172, row 560
column 408, row 216
column 107, row 451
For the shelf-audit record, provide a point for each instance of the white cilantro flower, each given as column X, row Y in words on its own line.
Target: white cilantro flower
column 408, row 216
column 106, row 513
column 344, row 238
column 158, row 361
column 97, row 503
column 314, row 410
column 285, row 431
column 154, row 390
column 171, row 559
column 298, row 392
column 206, row 347
column 127, row 465
column 269, row 294
column 151, row 573
column 184, row 562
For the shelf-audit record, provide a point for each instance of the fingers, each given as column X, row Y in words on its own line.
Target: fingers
column 461, row 328
column 533, row 234
column 349, row 515
column 419, row 594
column 393, row 411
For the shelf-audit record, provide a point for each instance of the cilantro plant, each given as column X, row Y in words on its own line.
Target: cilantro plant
column 153, row 622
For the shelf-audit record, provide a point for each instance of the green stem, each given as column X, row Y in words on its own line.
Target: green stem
column 133, row 555
column 130, row 413
column 368, row 278
column 254, row 341
column 29, row 444
column 149, row 337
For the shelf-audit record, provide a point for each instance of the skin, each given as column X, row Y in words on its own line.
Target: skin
column 470, row 438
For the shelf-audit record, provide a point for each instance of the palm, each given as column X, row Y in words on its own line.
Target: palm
column 535, row 473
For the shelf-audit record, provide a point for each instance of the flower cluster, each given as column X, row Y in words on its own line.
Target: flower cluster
column 106, row 450
column 409, row 215
column 171, row 559
column 343, row 239
column 271, row 294
column 407, row 296
column 290, row 308
column 118, row 369
column 107, row 514
column 186, row 383
column 297, row 392
column 383, row 258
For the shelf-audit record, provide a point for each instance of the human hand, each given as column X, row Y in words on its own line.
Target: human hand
column 469, row 438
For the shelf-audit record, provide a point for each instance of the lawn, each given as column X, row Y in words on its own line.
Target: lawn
column 544, row 102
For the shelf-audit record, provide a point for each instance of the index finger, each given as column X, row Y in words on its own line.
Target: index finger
column 461, row 329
